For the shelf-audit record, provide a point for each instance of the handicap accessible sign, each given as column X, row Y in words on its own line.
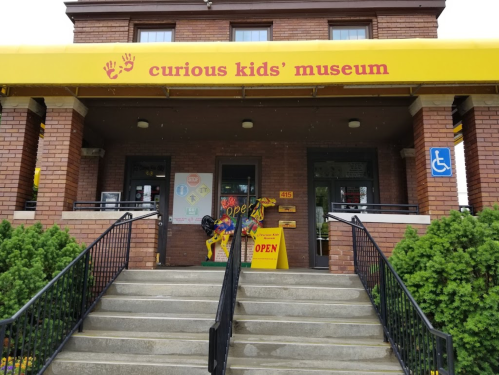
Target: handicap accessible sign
column 441, row 165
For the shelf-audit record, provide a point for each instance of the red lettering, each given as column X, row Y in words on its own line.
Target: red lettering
column 186, row 69
column 335, row 70
column 274, row 71
column 252, row 69
column 346, row 70
column 170, row 71
column 358, row 71
column 222, row 71
column 267, row 249
column 263, row 70
column 322, row 70
column 274, row 248
column 197, row 71
column 241, row 70
column 210, row 71
column 153, row 69
column 177, row 70
column 258, row 248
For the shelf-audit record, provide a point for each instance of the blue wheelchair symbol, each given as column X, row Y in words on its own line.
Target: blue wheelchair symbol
column 441, row 165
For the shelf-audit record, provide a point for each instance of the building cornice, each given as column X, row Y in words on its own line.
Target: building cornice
column 23, row 103
column 220, row 7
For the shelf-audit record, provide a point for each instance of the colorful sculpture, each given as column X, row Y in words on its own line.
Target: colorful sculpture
column 221, row 229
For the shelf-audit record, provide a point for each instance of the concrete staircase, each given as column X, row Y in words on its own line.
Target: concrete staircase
column 286, row 323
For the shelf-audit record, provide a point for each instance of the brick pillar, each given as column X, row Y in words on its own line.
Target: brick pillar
column 89, row 174
column 409, row 155
column 481, row 139
column 433, row 127
column 61, row 158
column 19, row 132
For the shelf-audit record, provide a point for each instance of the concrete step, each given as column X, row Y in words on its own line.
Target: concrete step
column 152, row 304
column 147, row 343
column 285, row 347
column 302, row 292
column 208, row 305
column 186, row 275
column 258, row 366
column 160, row 289
column 311, row 308
column 298, row 277
column 95, row 363
column 308, row 327
column 146, row 322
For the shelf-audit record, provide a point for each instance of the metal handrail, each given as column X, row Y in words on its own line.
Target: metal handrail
column 376, row 208
column 415, row 342
column 114, row 206
column 43, row 325
column 221, row 332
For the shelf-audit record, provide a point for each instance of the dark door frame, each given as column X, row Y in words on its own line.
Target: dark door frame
column 335, row 154
column 164, row 203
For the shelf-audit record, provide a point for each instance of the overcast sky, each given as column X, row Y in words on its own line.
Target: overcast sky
column 45, row 22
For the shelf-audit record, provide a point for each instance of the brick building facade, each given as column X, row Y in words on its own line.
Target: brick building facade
column 91, row 140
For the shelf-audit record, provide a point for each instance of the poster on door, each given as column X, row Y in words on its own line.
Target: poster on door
column 192, row 197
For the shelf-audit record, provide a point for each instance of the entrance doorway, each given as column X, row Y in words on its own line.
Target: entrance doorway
column 147, row 183
column 348, row 179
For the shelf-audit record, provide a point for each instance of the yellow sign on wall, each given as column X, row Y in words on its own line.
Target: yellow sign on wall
column 264, row 63
column 286, row 194
column 270, row 249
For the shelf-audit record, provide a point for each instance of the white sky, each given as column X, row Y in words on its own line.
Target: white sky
column 45, row 22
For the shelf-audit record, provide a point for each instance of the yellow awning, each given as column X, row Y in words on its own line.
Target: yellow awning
column 384, row 62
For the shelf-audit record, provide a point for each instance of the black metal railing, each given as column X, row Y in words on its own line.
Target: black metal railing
column 375, row 208
column 221, row 331
column 420, row 348
column 114, row 206
column 30, row 206
column 467, row 208
column 36, row 333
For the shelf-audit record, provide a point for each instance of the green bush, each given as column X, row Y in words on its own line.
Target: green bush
column 29, row 259
column 453, row 273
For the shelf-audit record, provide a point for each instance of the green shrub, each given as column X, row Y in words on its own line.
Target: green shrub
column 29, row 259
column 453, row 273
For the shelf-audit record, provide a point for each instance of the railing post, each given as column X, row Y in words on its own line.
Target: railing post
column 84, row 290
column 382, row 287
column 450, row 355
column 354, row 243
column 129, row 240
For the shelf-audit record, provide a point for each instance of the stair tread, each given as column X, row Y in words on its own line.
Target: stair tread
column 303, row 301
column 306, row 319
column 294, row 340
column 169, row 282
column 144, row 359
column 159, row 298
column 301, row 286
column 184, row 336
column 385, row 366
column 120, row 314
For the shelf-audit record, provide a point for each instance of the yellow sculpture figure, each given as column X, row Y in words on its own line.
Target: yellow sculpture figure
column 222, row 229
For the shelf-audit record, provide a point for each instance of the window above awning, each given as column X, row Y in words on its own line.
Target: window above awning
column 272, row 64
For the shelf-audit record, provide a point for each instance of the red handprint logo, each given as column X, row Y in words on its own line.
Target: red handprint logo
column 110, row 69
column 128, row 64
column 129, row 61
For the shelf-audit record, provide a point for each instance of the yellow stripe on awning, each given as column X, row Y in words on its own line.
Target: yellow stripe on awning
column 417, row 61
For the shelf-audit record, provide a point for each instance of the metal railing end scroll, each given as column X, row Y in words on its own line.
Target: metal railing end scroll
column 420, row 348
column 221, row 331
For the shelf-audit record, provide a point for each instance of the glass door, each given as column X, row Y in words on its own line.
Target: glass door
column 148, row 185
column 353, row 194
column 322, row 206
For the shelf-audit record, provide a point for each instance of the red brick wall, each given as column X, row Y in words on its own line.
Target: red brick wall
column 386, row 235
column 284, row 167
column 407, row 26
column 101, row 31
column 214, row 30
column 143, row 242
column 87, row 180
column 60, row 164
column 433, row 127
column 481, row 137
column 412, row 186
column 18, row 145
column 392, row 185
